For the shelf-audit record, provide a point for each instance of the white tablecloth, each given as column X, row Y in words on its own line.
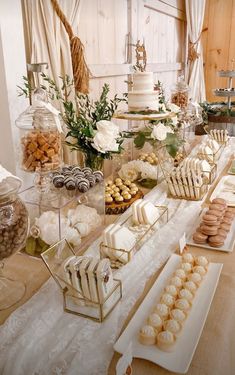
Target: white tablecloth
column 39, row 338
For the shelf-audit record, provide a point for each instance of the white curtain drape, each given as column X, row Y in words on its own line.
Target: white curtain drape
column 195, row 10
column 47, row 41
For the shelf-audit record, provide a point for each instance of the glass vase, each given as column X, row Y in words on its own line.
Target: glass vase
column 93, row 161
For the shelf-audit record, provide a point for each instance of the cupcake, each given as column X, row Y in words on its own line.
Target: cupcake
column 162, row 310
column 127, row 197
column 176, row 281
column 187, row 267
column 181, row 274
column 172, row 290
column 155, row 321
column 172, row 326
column 167, row 299
column 201, row 261
column 108, row 200
column 182, row 304
column 188, row 258
column 201, row 270
column 186, row 294
column 178, row 315
column 191, row 286
column 195, row 278
column 147, row 335
column 165, row 340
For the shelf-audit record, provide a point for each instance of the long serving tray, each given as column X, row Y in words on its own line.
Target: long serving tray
column 179, row 359
column 224, row 191
column 228, row 244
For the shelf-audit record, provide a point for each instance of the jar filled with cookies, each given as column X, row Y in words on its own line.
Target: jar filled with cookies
column 180, row 93
column 40, row 135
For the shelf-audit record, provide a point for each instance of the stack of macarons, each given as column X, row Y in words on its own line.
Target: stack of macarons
column 215, row 224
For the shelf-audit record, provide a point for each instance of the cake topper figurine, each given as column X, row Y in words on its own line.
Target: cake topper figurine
column 141, row 56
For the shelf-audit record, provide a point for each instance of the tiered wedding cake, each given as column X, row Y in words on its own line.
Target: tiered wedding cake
column 143, row 97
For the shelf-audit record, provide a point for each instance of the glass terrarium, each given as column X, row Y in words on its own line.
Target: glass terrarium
column 13, row 234
column 79, row 218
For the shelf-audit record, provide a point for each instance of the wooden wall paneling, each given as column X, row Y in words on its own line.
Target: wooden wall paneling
column 231, row 55
column 217, row 44
column 166, row 7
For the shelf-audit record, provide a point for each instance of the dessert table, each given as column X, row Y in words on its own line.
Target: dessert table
column 39, row 338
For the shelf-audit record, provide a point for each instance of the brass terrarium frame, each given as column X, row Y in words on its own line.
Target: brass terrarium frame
column 73, row 301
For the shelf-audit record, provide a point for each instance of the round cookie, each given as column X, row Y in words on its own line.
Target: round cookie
column 217, row 207
column 209, row 230
column 221, row 232
column 199, row 237
column 226, row 220
column 220, row 201
column 216, row 213
column 225, row 227
column 216, row 241
column 209, row 219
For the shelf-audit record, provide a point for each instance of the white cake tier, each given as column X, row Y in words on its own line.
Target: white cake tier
column 142, row 81
column 139, row 101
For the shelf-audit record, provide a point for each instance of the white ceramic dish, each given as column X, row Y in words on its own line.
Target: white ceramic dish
column 228, row 244
column 224, row 191
column 180, row 358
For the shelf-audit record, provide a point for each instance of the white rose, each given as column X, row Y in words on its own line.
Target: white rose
column 159, row 132
column 104, row 142
column 48, row 224
column 173, row 107
column 107, row 128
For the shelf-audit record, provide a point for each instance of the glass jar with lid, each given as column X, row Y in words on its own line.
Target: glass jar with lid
column 180, row 93
column 40, row 135
column 14, row 224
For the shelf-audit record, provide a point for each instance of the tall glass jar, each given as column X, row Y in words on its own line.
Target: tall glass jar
column 14, row 224
column 40, row 138
column 180, row 93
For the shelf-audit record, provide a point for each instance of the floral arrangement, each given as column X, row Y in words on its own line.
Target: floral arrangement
column 138, row 170
column 88, row 122
column 217, row 109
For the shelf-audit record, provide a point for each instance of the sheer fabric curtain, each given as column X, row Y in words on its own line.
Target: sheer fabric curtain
column 47, row 41
column 195, row 10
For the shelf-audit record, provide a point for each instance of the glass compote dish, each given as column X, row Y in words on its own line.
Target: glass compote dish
column 14, row 225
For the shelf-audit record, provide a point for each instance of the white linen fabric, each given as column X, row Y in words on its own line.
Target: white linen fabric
column 47, row 41
column 195, row 75
column 40, row 339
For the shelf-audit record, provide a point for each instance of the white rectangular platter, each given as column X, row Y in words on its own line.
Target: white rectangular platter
column 228, row 244
column 219, row 191
column 179, row 359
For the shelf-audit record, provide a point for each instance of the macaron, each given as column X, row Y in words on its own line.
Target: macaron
column 225, row 227
column 229, row 214
column 216, row 241
column 227, row 220
column 217, row 207
column 216, row 213
column 209, row 219
column 199, row 238
column 219, row 201
column 221, row 232
column 209, row 230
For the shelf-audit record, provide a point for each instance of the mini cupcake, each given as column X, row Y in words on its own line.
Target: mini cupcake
column 108, row 200
column 187, row 267
column 182, row 304
column 167, row 299
column 172, row 290
column 176, row 281
column 188, row 258
column 178, row 315
column 162, row 310
column 186, row 294
column 173, row 326
column 195, row 278
column 119, row 199
column 156, row 322
column 127, row 197
column 201, row 261
column 165, row 340
column 147, row 335
column 191, row 286
column 181, row 274
column 201, row 270
column 133, row 192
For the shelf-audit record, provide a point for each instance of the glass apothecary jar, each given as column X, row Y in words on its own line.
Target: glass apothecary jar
column 180, row 93
column 40, row 135
column 14, row 224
